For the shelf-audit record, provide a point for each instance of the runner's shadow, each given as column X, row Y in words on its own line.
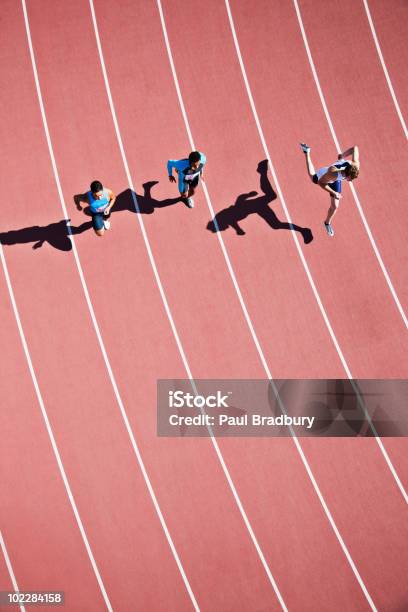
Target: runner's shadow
column 55, row 234
column 145, row 203
column 246, row 204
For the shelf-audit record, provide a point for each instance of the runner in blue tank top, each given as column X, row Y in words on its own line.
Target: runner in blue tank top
column 100, row 200
column 329, row 178
column 189, row 173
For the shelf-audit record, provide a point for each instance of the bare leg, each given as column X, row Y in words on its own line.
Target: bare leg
column 309, row 165
column 187, row 197
column 189, row 193
column 334, row 204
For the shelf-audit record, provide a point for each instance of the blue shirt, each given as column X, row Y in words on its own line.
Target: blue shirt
column 98, row 206
column 180, row 166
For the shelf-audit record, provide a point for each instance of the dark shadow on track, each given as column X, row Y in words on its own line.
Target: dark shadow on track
column 246, row 204
column 124, row 201
column 146, row 203
column 55, row 234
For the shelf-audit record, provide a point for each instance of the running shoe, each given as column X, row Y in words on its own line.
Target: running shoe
column 305, row 148
column 329, row 229
column 106, row 224
column 190, row 202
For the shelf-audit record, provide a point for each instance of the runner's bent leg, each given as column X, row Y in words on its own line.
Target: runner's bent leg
column 309, row 165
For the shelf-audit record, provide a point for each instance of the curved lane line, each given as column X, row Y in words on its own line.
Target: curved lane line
column 169, row 315
column 353, row 190
column 9, row 567
column 51, row 434
column 306, row 267
column 384, row 67
column 97, row 330
column 247, row 317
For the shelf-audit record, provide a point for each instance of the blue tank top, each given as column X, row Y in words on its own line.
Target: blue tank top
column 190, row 174
column 98, row 205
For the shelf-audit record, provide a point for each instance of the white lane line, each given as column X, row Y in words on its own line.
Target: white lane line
column 246, row 314
column 168, row 312
column 384, row 67
column 353, row 191
column 169, row 315
column 305, row 265
column 9, row 567
column 245, row 311
column 96, row 327
column 50, row 432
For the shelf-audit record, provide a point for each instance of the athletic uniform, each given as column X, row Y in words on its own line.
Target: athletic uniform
column 97, row 207
column 341, row 164
column 187, row 177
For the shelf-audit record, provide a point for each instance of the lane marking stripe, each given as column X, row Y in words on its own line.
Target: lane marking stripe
column 384, row 67
column 353, row 190
column 50, row 432
column 305, row 265
column 9, row 566
column 167, row 308
column 101, row 344
column 246, row 314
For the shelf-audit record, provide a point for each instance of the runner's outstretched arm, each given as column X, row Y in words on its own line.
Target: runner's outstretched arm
column 353, row 152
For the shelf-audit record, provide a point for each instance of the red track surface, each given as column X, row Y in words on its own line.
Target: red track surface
column 129, row 546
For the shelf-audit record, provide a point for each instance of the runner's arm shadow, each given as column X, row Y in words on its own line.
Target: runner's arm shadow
column 80, row 198
column 144, row 203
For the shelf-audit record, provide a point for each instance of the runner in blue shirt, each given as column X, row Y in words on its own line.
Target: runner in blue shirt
column 189, row 172
column 100, row 200
column 330, row 178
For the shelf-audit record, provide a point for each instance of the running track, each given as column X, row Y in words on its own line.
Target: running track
column 93, row 503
